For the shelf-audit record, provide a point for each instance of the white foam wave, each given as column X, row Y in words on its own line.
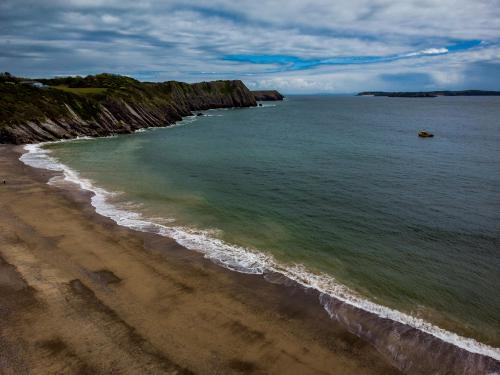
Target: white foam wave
column 185, row 120
column 238, row 258
column 261, row 105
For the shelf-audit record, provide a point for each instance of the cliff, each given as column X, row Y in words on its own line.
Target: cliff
column 105, row 104
column 267, row 95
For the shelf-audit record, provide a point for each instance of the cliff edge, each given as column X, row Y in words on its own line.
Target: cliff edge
column 267, row 95
column 104, row 104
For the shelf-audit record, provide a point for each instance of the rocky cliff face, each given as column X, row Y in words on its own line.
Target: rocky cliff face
column 267, row 95
column 122, row 105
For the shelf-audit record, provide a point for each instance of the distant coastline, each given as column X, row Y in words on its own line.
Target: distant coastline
column 429, row 94
column 40, row 110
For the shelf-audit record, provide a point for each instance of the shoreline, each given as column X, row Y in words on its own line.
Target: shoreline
column 250, row 261
column 399, row 343
column 80, row 293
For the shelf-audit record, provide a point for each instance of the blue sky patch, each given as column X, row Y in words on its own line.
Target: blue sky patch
column 288, row 63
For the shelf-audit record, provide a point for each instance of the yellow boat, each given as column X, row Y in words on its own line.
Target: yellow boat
column 425, row 134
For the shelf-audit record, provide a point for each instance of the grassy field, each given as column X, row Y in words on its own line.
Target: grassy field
column 81, row 90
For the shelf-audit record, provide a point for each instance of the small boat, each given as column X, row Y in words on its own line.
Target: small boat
column 425, row 134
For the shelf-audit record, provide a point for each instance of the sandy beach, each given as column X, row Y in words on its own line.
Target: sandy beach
column 80, row 294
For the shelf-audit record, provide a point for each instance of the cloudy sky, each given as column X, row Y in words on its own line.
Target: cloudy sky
column 295, row 46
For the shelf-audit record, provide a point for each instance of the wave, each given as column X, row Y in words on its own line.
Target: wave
column 186, row 120
column 265, row 106
column 247, row 260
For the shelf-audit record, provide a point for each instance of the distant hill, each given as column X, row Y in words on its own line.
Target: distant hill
column 429, row 94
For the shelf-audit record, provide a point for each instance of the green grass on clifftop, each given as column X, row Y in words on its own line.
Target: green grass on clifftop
column 82, row 90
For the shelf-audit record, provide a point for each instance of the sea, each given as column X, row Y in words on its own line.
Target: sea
column 337, row 193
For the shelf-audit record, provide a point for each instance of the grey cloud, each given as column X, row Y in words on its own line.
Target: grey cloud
column 184, row 40
column 483, row 75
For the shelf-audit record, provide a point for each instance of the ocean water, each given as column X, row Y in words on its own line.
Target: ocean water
column 336, row 192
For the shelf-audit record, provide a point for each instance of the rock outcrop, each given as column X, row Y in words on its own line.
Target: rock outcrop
column 111, row 105
column 267, row 95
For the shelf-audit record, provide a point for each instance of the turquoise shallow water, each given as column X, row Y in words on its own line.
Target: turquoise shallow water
column 342, row 185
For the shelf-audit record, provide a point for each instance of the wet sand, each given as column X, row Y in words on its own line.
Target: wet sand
column 80, row 294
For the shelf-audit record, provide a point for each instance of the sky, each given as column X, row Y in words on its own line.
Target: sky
column 322, row 46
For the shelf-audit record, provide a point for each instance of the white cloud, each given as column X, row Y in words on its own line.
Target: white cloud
column 434, row 51
column 110, row 19
column 428, row 51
